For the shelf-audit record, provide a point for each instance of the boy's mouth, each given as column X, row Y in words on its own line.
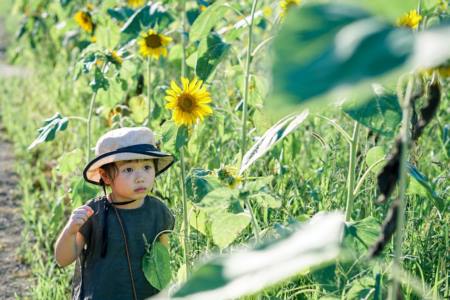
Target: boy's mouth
column 140, row 190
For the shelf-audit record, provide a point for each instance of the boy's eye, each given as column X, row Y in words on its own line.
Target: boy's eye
column 148, row 167
column 128, row 170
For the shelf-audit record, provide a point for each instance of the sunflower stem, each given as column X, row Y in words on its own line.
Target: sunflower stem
column 405, row 136
column 244, row 112
column 89, row 118
column 149, row 89
column 186, row 241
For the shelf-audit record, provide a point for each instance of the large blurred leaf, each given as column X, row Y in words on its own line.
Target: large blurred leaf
column 361, row 234
column 99, row 81
column 210, row 53
column 218, row 199
column 207, row 20
column 248, row 271
column 148, row 16
column 226, row 227
column 382, row 113
column 276, row 133
column 47, row 132
column 339, row 45
column 388, row 9
column 156, row 266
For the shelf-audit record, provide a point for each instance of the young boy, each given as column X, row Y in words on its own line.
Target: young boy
column 106, row 236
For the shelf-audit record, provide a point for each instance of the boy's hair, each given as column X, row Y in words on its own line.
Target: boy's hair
column 111, row 169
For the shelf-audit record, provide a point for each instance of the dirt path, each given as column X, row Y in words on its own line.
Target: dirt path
column 14, row 275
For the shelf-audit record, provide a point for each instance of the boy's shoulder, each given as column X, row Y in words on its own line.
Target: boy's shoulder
column 95, row 201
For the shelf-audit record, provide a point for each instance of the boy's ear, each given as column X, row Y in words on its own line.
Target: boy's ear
column 104, row 176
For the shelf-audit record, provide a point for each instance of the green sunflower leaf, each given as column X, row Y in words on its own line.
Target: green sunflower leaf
column 148, row 16
column 182, row 137
column 156, row 266
column 226, row 227
column 120, row 14
column 47, row 133
column 246, row 272
column 99, row 81
column 211, row 52
column 207, row 20
column 420, row 185
column 382, row 113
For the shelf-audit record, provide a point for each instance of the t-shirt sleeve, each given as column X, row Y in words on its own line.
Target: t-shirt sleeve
column 168, row 219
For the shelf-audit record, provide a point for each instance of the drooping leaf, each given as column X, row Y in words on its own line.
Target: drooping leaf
column 156, row 266
column 148, row 16
column 276, row 133
column 211, row 51
column 99, row 81
column 48, row 132
column 266, row 200
column 374, row 155
column 207, row 20
column 226, row 227
column 182, row 137
column 198, row 219
column 382, row 113
column 248, row 271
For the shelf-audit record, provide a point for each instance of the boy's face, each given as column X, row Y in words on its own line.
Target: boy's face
column 133, row 180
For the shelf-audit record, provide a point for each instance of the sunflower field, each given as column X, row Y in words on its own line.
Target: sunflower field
column 311, row 139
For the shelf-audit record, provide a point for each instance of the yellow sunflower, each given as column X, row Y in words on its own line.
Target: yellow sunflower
column 410, row 19
column 115, row 57
column 189, row 102
column 84, row 19
column 135, row 3
column 153, row 44
column 286, row 5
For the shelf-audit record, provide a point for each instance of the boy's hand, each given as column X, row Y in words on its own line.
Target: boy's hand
column 79, row 216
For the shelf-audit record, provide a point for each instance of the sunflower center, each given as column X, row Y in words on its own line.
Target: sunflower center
column 186, row 102
column 153, row 41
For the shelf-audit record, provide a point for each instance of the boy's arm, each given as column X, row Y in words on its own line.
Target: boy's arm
column 68, row 247
column 70, row 242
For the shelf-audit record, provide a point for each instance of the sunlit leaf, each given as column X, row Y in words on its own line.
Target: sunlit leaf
column 266, row 200
column 271, row 137
column 421, row 186
column 138, row 108
column 120, row 13
column 248, row 271
column 70, row 162
column 199, row 183
column 207, row 20
column 81, row 190
column 48, row 132
column 362, row 234
column 226, row 227
column 210, row 53
column 156, row 266
column 375, row 154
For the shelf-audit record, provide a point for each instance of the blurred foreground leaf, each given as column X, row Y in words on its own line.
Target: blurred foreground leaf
column 156, row 266
column 248, row 271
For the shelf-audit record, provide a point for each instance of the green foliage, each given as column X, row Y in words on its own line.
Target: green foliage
column 156, row 266
column 81, row 191
column 374, row 155
column 48, row 132
column 207, row 20
column 382, row 113
column 211, row 51
column 99, row 81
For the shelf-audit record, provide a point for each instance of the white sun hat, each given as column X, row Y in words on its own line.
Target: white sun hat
column 127, row 143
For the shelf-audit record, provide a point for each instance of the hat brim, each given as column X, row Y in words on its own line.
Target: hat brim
column 92, row 175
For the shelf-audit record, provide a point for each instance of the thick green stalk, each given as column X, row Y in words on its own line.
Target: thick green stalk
column 351, row 172
column 405, row 136
column 149, row 90
column 91, row 109
column 186, row 241
column 255, row 226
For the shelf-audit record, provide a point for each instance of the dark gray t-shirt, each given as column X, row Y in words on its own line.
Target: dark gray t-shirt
column 109, row 277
